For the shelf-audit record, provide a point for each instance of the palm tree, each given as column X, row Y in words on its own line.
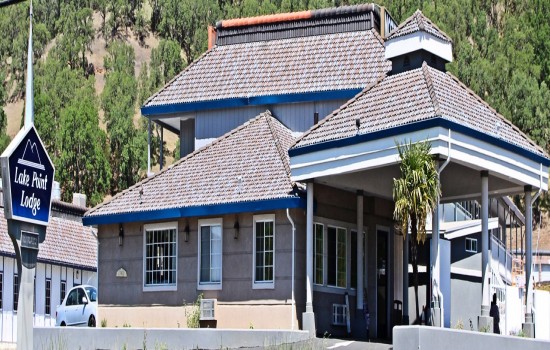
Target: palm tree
column 415, row 195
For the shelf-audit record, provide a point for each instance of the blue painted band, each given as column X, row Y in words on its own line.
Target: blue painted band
column 248, row 101
column 416, row 126
column 197, row 211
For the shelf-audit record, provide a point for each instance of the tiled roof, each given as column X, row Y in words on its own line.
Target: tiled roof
column 418, row 22
column 413, row 96
column 338, row 61
column 67, row 242
column 249, row 163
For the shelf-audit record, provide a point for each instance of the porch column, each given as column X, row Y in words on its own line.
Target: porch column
column 406, row 279
column 434, row 265
column 485, row 321
column 360, row 287
column 528, row 326
column 149, row 147
column 308, row 318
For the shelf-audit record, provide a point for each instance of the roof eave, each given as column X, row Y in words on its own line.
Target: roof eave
column 195, row 106
column 416, row 126
column 196, row 211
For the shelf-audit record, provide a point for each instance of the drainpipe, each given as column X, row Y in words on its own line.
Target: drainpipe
column 292, row 273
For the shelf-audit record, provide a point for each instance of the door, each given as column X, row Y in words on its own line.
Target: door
column 382, row 271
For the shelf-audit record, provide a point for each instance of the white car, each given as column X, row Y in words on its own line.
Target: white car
column 79, row 308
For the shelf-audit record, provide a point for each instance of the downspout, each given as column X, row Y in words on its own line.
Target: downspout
column 292, row 273
column 436, row 286
column 530, row 297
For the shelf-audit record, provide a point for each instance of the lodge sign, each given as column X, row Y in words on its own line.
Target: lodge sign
column 27, row 176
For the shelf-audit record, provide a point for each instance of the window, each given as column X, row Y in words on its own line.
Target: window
column 264, row 251
column 337, row 257
column 1, row 290
column 48, row 296
column 160, row 256
column 318, row 278
column 210, row 254
column 339, row 314
column 471, row 245
column 63, row 291
column 15, row 291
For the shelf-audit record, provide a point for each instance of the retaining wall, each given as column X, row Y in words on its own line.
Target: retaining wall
column 428, row 338
column 140, row 338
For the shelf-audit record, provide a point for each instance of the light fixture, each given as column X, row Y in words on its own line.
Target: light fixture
column 120, row 234
column 186, row 231
column 236, row 228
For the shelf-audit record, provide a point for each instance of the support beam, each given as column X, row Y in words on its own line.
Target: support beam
column 360, row 248
column 436, row 306
column 161, row 147
column 485, row 322
column 406, row 321
column 149, row 147
column 308, row 317
column 528, row 326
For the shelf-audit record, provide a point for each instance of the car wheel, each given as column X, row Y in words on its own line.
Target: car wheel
column 91, row 321
column 63, row 324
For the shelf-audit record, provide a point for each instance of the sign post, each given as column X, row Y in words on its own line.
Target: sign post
column 27, row 176
column 27, row 173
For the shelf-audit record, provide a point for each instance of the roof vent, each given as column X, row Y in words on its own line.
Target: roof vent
column 415, row 41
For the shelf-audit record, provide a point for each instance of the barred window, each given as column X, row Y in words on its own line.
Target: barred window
column 15, row 291
column 63, row 292
column 160, row 256
column 319, row 256
column 1, row 290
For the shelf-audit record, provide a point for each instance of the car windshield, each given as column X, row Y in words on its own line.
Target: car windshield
column 92, row 293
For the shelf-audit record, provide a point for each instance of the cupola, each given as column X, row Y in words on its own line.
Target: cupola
column 415, row 41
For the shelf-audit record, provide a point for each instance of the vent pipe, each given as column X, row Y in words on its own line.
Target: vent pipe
column 56, row 191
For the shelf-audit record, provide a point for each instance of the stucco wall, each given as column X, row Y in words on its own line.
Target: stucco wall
column 237, row 262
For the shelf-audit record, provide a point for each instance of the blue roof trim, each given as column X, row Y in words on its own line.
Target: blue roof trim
column 197, row 211
column 248, row 101
column 416, row 126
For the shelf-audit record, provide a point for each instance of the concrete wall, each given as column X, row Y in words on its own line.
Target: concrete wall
column 428, row 338
column 542, row 316
column 141, row 338
column 236, row 294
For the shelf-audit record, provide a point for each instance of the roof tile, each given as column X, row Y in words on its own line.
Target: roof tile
column 413, row 96
column 249, row 163
column 418, row 22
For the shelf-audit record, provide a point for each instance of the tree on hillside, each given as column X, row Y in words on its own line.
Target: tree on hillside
column 415, row 195
column 77, row 31
column 55, row 86
column 83, row 162
column 185, row 21
column 4, row 138
column 128, row 145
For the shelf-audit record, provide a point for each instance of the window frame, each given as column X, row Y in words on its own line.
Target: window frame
column 209, row 285
column 48, row 297
column 62, row 291
column 316, row 253
column 164, row 226
column 16, row 283
column 269, row 284
column 345, row 258
column 472, row 241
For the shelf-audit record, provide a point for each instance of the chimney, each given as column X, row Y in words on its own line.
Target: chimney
column 79, row 199
column 56, row 191
column 211, row 37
